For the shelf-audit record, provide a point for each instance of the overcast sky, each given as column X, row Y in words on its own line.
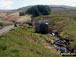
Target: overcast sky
column 14, row 4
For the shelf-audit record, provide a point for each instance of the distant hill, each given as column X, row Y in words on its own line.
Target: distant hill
column 62, row 6
column 3, row 10
column 6, row 10
column 51, row 6
column 23, row 8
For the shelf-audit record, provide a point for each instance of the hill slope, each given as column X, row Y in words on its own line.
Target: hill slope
column 65, row 25
column 51, row 6
column 23, row 42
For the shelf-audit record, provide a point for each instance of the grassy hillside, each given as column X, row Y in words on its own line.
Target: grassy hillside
column 70, row 33
column 24, row 42
column 1, row 27
column 9, row 17
column 66, row 27
column 56, row 22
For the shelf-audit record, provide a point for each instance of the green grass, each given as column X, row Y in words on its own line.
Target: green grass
column 0, row 27
column 56, row 22
column 66, row 27
column 70, row 31
column 24, row 42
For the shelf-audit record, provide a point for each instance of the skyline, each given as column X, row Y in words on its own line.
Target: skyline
column 15, row 4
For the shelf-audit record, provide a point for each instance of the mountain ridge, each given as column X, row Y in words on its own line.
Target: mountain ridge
column 51, row 6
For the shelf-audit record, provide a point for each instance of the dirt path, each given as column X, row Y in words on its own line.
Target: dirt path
column 5, row 29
